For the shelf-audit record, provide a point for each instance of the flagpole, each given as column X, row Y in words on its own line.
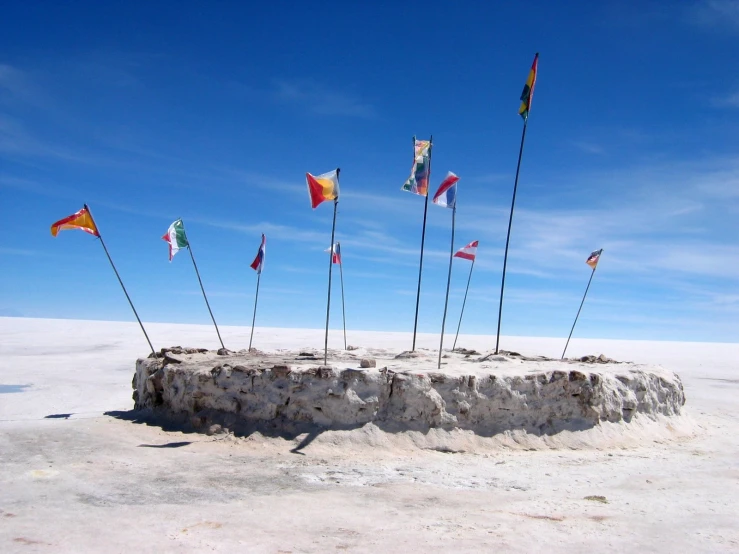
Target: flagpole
column 254, row 317
column 469, row 278
column 448, row 283
column 100, row 236
column 341, row 273
column 508, row 236
column 578, row 312
column 423, row 237
column 189, row 248
column 330, row 266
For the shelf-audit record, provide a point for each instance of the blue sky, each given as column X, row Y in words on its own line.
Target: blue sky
column 214, row 111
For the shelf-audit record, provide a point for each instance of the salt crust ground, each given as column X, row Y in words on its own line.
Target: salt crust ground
column 82, row 481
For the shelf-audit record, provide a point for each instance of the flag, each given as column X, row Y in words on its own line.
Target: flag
column 467, row 252
column 258, row 262
column 336, row 253
column 528, row 90
column 322, row 188
column 592, row 260
column 81, row 220
column 418, row 182
column 446, row 196
column 176, row 238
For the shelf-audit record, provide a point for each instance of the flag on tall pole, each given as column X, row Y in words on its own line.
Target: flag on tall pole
column 418, row 183
column 592, row 261
column 84, row 221
column 321, row 188
column 446, row 197
column 336, row 258
column 177, row 239
column 468, row 252
column 257, row 265
column 527, row 97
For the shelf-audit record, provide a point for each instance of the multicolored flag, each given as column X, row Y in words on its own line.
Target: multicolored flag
column 336, row 253
column 446, row 196
column 258, row 262
column 418, row 182
column 323, row 187
column 81, row 220
column 176, row 238
column 528, row 90
column 468, row 252
column 592, row 260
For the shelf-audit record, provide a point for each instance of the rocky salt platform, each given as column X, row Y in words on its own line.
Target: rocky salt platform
column 485, row 394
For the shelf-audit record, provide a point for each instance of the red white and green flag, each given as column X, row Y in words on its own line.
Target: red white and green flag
column 176, row 238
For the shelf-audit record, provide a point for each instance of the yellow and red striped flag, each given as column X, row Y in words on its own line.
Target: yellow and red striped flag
column 81, row 220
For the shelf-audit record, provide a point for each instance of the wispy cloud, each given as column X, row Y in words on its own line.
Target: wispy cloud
column 317, row 99
column 588, row 147
column 17, row 252
column 715, row 14
column 490, row 178
column 729, row 101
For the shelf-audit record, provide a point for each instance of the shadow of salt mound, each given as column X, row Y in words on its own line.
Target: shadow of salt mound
column 243, row 428
column 59, row 416
column 166, row 445
column 10, row 389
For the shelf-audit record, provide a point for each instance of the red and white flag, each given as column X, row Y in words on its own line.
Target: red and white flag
column 335, row 253
column 258, row 263
column 467, row 252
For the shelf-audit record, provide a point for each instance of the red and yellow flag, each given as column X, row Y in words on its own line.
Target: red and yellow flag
column 81, row 220
column 528, row 90
column 323, row 187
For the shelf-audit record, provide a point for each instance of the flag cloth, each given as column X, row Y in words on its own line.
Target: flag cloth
column 258, row 262
column 467, row 252
column 336, row 253
column 81, row 220
column 446, row 196
column 176, row 238
column 323, row 187
column 528, row 90
column 592, row 260
column 418, row 182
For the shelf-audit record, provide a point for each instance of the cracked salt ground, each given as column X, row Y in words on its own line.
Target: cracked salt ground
column 463, row 475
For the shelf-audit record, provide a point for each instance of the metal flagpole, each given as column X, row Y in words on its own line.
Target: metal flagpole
column 100, row 236
column 341, row 273
column 463, row 303
column 423, row 236
column 330, row 266
column 448, row 283
column 254, row 317
column 578, row 312
column 508, row 236
column 189, row 248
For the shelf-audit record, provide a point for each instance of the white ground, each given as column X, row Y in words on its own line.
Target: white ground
column 97, row 483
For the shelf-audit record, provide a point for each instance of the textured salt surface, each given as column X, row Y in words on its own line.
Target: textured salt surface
column 485, row 394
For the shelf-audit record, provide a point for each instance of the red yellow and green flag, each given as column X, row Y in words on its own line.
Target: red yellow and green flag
column 528, row 90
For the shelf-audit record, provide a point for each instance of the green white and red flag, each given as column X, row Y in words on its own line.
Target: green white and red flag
column 176, row 238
